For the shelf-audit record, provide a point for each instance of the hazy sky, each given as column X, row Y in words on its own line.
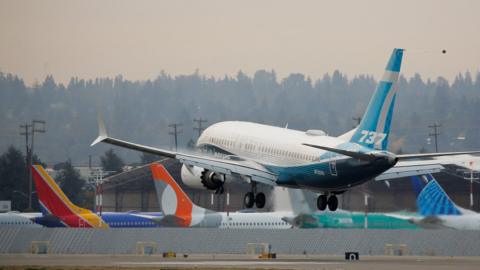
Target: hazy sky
column 140, row 38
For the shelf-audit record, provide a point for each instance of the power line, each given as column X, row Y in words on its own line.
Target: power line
column 175, row 133
column 199, row 123
column 435, row 134
column 358, row 120
column 29, row 130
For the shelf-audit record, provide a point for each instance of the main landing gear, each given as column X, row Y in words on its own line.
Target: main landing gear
column 323, row 201
column 254, row 198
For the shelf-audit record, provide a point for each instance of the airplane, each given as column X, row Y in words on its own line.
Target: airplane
column 274, row 156
column 18, row 219
column 437, row 210
column 59, row 211
column 180, row 211
column 306, row 215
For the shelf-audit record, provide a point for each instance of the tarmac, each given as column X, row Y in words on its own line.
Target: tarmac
column 228, row 261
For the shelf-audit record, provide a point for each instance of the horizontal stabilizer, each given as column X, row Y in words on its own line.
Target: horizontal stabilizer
column 428, row 155
column 171, row 221
column 357, row 155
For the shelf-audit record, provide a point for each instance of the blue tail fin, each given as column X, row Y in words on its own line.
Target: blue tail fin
column 418, row 184
column 374, row 129
column 433, row 201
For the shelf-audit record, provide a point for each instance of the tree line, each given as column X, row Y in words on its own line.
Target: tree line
column 141, row 111
column 14, row 185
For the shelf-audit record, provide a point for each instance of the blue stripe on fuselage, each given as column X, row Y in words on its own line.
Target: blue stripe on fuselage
column 349, row 172
column 121, row 220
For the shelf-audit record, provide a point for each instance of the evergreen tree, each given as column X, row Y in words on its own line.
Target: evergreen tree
column 146, row 158
column 111, row 162
column 71, row 182
column 13, row 179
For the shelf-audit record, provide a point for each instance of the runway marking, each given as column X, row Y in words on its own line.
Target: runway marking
column 226, row 263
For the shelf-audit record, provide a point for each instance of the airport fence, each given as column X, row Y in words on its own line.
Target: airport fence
column 230, row 241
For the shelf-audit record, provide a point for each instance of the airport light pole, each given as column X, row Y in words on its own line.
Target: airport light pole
column 365, row 224
column 471, row 178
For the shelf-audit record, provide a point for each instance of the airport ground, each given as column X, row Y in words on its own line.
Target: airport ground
column 228, row 261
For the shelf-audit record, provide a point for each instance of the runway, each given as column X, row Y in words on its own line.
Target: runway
column 228, row 261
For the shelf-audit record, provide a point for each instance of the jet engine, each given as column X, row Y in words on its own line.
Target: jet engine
column 191, row 176
column 213, row 181
column 200, row 178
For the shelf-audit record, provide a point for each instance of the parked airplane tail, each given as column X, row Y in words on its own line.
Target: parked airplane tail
column 419, row 182
column 54, row 202
column 433, row 201
column 174, row 203
column 374, row 128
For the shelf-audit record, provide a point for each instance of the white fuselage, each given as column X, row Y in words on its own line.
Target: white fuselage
column 241, row 220
column 463, row 222
column 266, row 144
column 13, row 219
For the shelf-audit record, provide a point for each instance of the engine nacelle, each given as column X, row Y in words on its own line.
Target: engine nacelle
column 212, row 180
column 191, row 176
column 200, row 178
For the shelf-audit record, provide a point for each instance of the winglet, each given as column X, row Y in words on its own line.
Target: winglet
column 102, row 131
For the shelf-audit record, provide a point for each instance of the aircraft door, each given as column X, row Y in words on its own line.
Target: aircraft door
column 333, row 167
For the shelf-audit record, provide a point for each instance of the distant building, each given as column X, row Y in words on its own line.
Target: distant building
column 134, row 190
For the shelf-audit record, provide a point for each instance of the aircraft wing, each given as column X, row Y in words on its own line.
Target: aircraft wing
column 408, row 167
column 411, row 168
column 253, row 170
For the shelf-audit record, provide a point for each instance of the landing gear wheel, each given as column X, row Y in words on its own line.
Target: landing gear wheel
column 249, row 200
column 332, row 203
column 322, row 202
column 219, row 190
column 260, row 200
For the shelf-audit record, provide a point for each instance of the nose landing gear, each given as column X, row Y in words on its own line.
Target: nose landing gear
column 323, row 201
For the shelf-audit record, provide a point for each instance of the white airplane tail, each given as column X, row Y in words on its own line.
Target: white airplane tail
column 374, row 128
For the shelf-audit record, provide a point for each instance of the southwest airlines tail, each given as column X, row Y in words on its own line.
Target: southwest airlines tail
column 433, row 201
column 177, row 207
column 54, row 202
column 374, row 127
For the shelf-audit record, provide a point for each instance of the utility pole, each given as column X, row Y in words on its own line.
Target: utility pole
column 358, row 120
column 30, row 180
column 471, row 178
column 199, row 123
column 435, row 134
column 25, row 130
column 175, row 133
column 30, row 129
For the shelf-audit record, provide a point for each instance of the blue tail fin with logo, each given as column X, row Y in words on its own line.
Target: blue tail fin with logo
column 433, row 201
column 374, row 128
